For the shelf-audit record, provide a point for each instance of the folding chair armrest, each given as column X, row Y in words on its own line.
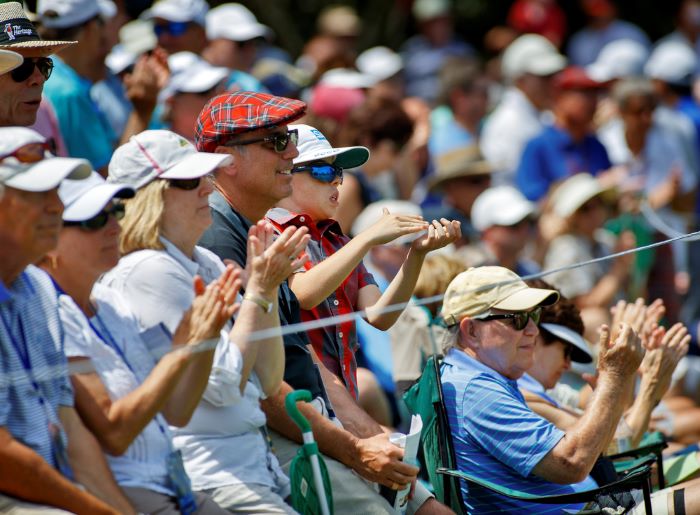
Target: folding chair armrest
column 655, row 443
column 637, row 479
column 626, row 466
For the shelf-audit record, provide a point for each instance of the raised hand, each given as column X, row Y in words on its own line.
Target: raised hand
column 440, row 234
column 668, row 347
column 213, row 306
column 270, row 260
column 390, row 227
column 622, row 356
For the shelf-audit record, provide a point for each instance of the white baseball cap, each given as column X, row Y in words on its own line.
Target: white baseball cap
column 62, row 14
column 42, row 175
column 500, row 205
column 179, row 11
column 235, row 22
column 531, row 53
column 347, row 78
column 189, row 73
column 581, row 349
column 313, row 146
column 574, row 192
column 86, row 198
column 160, row 154
column 672, row 61
column 9, row 60
column 619, row 59
column 379, row 62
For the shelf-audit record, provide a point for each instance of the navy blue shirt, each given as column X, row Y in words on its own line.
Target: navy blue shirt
column 227, row 237
column 553, row 156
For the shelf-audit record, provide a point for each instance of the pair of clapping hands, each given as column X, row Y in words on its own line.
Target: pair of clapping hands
column 271, row 259
column 639, row 344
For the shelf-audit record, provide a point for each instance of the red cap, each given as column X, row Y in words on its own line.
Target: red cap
column 233, row 113
column 575, row 77
column 335, row 102
column 546, row 19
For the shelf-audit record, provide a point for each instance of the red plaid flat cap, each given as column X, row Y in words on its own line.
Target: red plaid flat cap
column 234, row 113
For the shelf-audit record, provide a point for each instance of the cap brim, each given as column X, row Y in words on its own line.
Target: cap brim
column 345, row 157
column 94, row 200
column 204, row 80
column 9, row 61
column 44, row 48
column 581, row 349
column 48, row 174
column 528, row 298
column 196, row 165
column 548, row 65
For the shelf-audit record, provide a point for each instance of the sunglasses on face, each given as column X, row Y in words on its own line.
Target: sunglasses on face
column 517, row 320
column 98, row 221
column 174, row 28
column 323, row 172
column 279, row 140
column 29, row 153
column 26, row 69
column 185, row 184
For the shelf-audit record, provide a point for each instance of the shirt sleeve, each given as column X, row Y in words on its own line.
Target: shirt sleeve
column 223, row 388
column 530, row 175
column 504, row 425
column 365, row 278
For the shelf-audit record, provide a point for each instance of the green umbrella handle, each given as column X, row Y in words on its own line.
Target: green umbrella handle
column 290, row 403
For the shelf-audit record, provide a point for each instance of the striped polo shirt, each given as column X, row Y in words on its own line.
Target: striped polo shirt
column 30, row 316
column 498, row 438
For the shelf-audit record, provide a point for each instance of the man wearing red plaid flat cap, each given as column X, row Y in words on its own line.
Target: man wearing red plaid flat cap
column 252, row 128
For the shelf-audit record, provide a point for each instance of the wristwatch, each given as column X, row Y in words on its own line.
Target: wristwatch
column 265, row 304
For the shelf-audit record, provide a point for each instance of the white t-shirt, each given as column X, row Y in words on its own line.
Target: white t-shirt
column 143, row 464
column 223, row 444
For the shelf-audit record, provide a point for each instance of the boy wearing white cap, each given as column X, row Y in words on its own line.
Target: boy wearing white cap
column 46, row 450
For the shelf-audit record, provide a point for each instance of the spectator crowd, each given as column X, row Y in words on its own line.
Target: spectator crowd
column 193, row 224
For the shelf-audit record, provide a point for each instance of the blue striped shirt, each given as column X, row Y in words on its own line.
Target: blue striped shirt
column 498, row 438
column 31, row 316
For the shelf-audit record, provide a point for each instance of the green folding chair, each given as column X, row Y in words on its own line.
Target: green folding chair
column 426, row 398
column 311, row 486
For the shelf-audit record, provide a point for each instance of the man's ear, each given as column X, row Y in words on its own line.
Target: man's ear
column 467, row 333
column 232, row 167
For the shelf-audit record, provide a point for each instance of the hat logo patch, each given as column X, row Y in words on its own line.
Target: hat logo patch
column 318, row 134
column 13, row 31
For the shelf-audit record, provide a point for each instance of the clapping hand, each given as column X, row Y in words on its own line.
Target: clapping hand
column 439, row 235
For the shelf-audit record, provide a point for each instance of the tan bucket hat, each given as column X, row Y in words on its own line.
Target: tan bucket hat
column 9, row 61
column 461, row 162
column 18, row 33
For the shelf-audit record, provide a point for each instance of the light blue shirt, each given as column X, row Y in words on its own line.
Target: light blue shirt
column 498, row 438
column 85, row 128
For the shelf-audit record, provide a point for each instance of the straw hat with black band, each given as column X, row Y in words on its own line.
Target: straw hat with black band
column 19, row 34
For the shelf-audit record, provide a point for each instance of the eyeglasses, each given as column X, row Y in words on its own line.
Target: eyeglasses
column 29, row 153
column 98, row 221
column 25, row 70
column 280, row 140
column 518, row 320
column 185, row 184
column 323, row 172
column 174, row 28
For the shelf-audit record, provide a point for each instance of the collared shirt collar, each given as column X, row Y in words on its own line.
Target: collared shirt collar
column 5, row 294
column 285, row 217
column 191, row 266
column 461, row 359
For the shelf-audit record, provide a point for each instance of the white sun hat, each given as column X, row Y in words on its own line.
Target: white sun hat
column 379, row 62
column 178, row 11
column 500, row 205
column 160, row 154
column 86, row 198
column 531, row 53
column 581, row 348
column 235, row 22
column 189, row 73
column 619, row 59
column 314, row 146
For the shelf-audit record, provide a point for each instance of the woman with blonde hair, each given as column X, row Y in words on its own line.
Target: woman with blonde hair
column 224, row 446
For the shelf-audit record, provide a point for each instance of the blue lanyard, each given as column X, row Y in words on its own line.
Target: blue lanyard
column 106, row 337
column 20, row 346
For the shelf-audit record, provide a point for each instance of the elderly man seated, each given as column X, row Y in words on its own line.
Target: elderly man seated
column 494, row 316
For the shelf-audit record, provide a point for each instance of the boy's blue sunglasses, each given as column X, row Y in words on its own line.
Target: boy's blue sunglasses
column 174, row 28
column 323, row 172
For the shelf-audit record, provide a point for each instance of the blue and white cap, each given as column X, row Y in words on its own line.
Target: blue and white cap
column 314, row 146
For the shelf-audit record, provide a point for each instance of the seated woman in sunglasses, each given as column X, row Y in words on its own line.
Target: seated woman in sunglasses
column 124, row 395
column 334, row 281
column 223, row 445
column 560, row 342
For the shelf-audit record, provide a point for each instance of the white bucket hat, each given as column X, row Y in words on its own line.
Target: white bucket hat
column 500, row 205
column 531, row 53
column 314, row 146
column 160, row 154
column 235, row 22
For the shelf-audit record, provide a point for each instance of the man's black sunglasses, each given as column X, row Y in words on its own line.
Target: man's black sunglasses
column 518, row 320
column 280, row 140
column 25, row 70
column 98, row 221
